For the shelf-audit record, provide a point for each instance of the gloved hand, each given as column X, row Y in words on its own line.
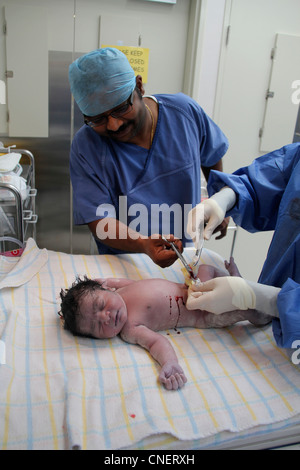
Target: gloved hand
column 224, row 294
column 212, row 212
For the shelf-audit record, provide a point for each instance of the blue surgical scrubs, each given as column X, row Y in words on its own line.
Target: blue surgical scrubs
column 103, row 170
column 268, row 198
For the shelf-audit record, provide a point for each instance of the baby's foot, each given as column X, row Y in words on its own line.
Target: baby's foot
column 258, row 318
column 232, row 267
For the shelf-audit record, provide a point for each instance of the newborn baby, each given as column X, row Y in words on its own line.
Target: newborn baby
column 104, row 308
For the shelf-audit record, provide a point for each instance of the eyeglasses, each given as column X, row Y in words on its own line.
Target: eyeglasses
column 117, row 113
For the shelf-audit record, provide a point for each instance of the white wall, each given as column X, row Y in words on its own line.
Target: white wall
column 245, row 69
column 237, row 81
column 233, row 78
column 213, row 12
column 163, row 29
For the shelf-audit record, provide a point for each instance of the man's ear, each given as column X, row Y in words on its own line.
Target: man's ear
column 139, row 84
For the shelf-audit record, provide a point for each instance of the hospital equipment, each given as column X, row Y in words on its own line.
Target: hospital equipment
column 17, row 198
column 64, row 392
column 188, row 268
column 8, row 161
column 235, row 230
column 196, row 259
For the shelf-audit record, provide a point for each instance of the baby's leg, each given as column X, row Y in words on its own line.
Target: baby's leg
column 209, row 320
column 207, row 272
column 258, row 318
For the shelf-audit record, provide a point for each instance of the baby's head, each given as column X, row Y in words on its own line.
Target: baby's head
column 90, row 310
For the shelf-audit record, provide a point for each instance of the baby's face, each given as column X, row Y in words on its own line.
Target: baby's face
column 102, row 314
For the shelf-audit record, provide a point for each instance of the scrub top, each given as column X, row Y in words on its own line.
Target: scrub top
column 152, row 190
column 268, row 198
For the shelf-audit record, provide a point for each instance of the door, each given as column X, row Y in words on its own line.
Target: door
column 249, row 34
column 281, row 110
column 26, row 71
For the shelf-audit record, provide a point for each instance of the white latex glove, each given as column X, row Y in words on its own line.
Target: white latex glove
column 212, row 212
column 224, row 294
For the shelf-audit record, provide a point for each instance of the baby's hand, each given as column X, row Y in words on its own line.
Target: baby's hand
column 107, row 283
column 113, row 283
column 172, row 376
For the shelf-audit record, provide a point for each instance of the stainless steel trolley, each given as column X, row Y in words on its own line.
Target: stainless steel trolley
column 18, row 216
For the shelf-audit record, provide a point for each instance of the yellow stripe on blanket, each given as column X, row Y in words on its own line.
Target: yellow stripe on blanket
column 123, row 405
column 8, row 393
column 228, row 376
column 83, row 401
column 197, row 385
column 161, row 396
column 136, row 268
column 258, row 368
column 50, row 405
column 62, row 269
column 111, row 266
column 86, row 267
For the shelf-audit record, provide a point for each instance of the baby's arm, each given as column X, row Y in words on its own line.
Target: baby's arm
column 113, row 283
column 171, row 374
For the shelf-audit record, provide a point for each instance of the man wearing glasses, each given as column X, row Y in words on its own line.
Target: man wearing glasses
column 139, row 151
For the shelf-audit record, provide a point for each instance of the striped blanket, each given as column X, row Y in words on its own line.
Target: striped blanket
column 62, row 392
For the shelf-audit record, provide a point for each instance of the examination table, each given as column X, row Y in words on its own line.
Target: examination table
column 58, row 391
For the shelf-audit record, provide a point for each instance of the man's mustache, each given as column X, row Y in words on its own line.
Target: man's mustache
column 120, row 130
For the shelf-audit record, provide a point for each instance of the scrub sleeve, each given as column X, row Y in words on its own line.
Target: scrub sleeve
column 268, row 198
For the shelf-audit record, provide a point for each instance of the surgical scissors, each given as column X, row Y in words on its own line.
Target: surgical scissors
column 182, row 259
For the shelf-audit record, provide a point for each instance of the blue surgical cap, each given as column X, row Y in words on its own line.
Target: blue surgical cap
column 101, row 80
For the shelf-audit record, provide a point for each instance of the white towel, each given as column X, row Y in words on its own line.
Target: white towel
column 58, row 391
column 15, row 272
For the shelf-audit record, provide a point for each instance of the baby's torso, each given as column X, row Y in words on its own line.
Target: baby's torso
column 156, row 303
